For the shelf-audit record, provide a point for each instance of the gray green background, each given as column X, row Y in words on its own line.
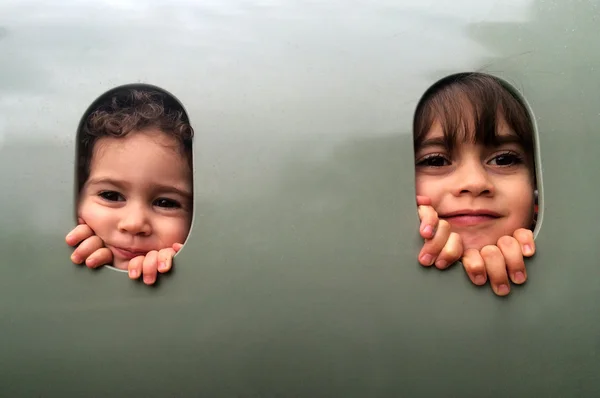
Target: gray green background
column 299, row 278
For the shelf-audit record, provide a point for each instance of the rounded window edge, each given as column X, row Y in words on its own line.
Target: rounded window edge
column 170, row 101
column 520, row 97
column 537, row 155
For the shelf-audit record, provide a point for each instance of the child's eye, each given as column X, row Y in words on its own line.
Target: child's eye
column 111, row 196
column 506, row 159
column 433, row 160
column 167, row 203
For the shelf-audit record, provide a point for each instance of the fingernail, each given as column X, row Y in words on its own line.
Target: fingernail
column 441, row 264
column 519, row 277
column 75, row 258
column 528, row 250
column 148, row 279
column 479, row 279
column 427, row 259
column 133, row 273
column 162, row 266
column 503, row 289
column 91, row 262
column 428, row 229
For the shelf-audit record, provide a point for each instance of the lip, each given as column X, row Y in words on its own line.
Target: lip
column 128, row 253
column 470, row 217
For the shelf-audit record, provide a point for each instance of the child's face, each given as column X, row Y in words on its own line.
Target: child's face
column 483, row 192
column 138, row 196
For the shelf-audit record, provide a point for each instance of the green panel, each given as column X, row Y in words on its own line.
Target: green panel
column 299, row 278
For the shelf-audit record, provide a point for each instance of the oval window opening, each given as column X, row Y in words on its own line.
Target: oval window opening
column 477, row 161
column 134, row 174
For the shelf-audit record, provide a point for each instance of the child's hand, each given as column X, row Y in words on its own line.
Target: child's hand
column 152, row 262
column 501, row 261
column 442, row 247
column 91, row 248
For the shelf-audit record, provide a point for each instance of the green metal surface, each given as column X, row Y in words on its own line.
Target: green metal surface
column 299, row 278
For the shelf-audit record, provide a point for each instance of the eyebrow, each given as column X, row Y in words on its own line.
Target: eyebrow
column 441, row 141
column 123, row 185
column 436, row 141
column 508, row 139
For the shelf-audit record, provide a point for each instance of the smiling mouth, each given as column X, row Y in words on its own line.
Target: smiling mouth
column 126, row 253
column 470, row 218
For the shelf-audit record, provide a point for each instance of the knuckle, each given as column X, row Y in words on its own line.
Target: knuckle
column 471, row 253
column 506, row 241
column 473, row 262
column 164, row 253
column 473, row 265
column 474, row 268
column 423, row 211
column 523, row 234
column 83, row 231
column 452, row 251
column 150, row 261
column 105, row 254
column 443, row 225
column 490, row 251
column 96, row 241
column 85, row 248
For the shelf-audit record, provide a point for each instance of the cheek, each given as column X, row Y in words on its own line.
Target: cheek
column 425, row 186
column 521, row 200
column 95, row 216
column 526, row 212
column 174, row 230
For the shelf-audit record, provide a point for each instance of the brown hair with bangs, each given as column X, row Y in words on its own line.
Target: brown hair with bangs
column 469, row 107
column 127, row 110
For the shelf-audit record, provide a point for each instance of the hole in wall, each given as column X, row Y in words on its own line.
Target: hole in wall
column 134, row 179
column 476, row 148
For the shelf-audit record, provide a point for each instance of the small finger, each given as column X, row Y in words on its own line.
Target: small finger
column 496, row 269
column 149, row 267
column 100, row 257
column 77, row 234
column 474, row 266
column 432, row 247
column 525, row 238
column 423, row 200
column 165, row 260
column 513, row 257
column 86, row 248
column 451, row 252
column 135, row 267
column 177, row 247
column 429, row 221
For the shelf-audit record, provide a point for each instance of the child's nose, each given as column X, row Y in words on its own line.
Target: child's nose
column 473, row 178
column 135, row 220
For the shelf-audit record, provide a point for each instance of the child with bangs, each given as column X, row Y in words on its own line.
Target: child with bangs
column 475, row 179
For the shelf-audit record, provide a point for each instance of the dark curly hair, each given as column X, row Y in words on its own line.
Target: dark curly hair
column 130, row 110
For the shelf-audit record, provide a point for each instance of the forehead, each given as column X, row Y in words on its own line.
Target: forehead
column 141, row 156
column 468, row 134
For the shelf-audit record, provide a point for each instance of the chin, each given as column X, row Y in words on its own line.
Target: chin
column 477, row 242
column 121, row 264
